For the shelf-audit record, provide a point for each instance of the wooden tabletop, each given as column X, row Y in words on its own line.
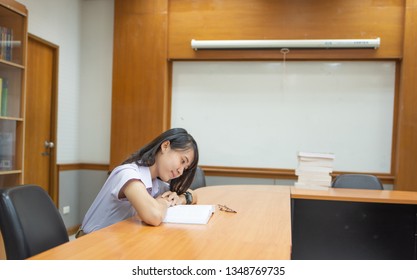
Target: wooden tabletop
column 356, row 195
column 261, row 229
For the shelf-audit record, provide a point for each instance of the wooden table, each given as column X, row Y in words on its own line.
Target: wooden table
column 261, row 229
column 353, row 224
column 356, row 195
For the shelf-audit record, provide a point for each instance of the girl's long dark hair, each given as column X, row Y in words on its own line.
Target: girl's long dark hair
column 179, row 139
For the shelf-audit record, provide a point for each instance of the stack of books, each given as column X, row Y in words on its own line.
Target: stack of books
column 314, row 170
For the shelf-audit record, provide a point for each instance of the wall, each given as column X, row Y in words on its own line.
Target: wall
column 393, row 21
column 83, row 30
column 78, row 188
column 59, row 22
column 96, row 81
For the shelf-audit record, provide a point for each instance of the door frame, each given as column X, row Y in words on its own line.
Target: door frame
column 53, row 171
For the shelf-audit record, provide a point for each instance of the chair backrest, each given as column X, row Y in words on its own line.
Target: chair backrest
column 357, row 181
column 29, row 221
column 199, row 179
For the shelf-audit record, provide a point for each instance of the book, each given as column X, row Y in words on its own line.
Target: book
column 312, row 155
column 189, row 214
column 316, row 163
column 4, row 96
column 315, row 182
column 312, row 169
column 1, row 94
column 7, row 146
column 315, row 177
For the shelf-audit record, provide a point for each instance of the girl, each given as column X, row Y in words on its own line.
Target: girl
column 139, row 186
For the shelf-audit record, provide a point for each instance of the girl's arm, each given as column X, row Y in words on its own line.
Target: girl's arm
column 150, row 210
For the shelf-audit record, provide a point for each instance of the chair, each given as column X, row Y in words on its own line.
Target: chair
column 199, row 179
column 29, row 221
column 357, row 181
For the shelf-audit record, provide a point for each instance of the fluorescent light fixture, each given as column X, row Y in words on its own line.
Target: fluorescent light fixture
column 290, row 44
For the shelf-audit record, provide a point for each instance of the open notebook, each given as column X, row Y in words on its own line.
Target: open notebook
column 189, row 214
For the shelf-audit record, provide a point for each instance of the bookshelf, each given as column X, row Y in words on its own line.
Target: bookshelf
column 13, row 38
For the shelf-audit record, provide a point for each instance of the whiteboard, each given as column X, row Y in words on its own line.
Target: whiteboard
column 260, row 113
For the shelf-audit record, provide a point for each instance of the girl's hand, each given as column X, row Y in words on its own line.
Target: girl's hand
column 172, row 198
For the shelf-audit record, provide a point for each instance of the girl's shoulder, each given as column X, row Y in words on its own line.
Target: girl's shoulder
column 132, row 170
column 127, row 166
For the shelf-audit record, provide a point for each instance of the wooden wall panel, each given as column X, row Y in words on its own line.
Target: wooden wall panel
column 297, row 19
column 139, row 75
column 149, row 33
column 406, row 178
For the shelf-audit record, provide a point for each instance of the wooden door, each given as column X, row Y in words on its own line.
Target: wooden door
column 40, row 127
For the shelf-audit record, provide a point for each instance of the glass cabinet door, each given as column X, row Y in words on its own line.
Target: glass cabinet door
column 12, row 30
column 13, row 37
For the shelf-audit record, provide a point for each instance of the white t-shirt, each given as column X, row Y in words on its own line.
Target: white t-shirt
column 107, row 208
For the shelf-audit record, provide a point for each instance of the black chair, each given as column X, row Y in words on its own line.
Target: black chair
column 357, row 181
column 29, row 222
column 199, row 179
